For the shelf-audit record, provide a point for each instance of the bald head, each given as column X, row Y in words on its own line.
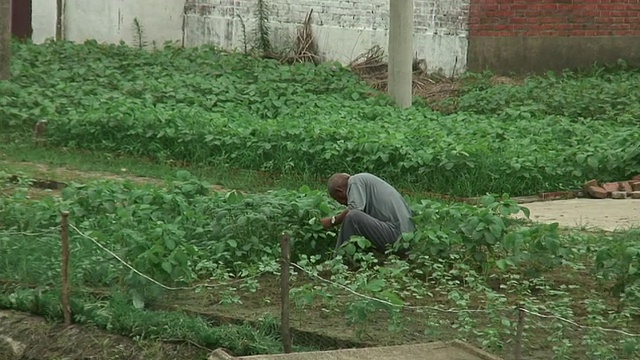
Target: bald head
column 337, row 186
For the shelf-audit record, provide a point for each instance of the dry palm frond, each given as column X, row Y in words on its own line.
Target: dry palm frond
column 306, row 48
column 372, row 67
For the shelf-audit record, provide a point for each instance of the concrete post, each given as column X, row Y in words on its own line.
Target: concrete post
column 401, row 51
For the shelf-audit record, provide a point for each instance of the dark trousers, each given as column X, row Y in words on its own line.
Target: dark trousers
column 358, row 223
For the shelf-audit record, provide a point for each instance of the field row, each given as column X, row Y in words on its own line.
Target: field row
column 170, row 233
column 201, row 106
column 461, row 257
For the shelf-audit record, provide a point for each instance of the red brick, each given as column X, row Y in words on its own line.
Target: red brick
column 518, row 20
column 598, row 17
column 619, row 195
column 503, row 27
column 517, row 7
column 612, row 186
column 592, row 182
column 546, row 7
column 635, row 185
column 592, row 13
column 625, row 186
column 548, row 20
column 597, row 192
column 564, row 27
column 617, row 7
column 566, row 7
column 618, row 13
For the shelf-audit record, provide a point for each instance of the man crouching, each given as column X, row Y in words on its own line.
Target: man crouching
column 375, row 210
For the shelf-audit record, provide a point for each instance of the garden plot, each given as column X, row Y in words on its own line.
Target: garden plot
column 474, row 272
column 183, row 234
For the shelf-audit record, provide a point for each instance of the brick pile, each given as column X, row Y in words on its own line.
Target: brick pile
column 614, row 190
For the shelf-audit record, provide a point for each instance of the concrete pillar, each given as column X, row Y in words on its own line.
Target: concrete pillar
column 5, row 39
column 401, row 51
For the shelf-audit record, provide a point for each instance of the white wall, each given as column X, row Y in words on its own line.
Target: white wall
column 43, row 20
column 343, row 28
column 110, row 20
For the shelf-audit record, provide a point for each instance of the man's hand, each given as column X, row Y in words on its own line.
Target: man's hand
column 326, row 223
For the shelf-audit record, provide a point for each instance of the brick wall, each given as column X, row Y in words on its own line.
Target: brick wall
column 554, row 18
column 524, row 36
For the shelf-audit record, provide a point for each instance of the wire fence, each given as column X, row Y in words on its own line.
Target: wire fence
column 419, row 322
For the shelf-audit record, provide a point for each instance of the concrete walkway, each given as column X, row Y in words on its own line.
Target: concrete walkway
column 605, row 214
column 455, row 350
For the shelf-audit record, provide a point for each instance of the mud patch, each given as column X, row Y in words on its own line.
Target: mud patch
column 27, row 337
column 40, row 184
column 63, row 175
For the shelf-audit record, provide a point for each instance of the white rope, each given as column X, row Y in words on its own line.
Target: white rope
column 383, row 301
column 578, row 325
column 463, row 310
column 530, row 312
column 148, row 277
column 25, row 233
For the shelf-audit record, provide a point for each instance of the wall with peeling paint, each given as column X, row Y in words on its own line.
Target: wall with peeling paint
column 111, row 21
column 343, row 28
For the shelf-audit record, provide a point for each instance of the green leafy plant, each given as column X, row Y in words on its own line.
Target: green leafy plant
column 263, row 30
column 257, row 114
column 619, row 264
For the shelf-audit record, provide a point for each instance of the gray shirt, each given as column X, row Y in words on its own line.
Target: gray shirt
column 375, row 197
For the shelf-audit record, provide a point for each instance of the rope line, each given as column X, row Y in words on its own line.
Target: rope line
column 115, row 256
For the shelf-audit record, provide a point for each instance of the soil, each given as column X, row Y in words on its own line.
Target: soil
column 26, row 337
column 48, row 175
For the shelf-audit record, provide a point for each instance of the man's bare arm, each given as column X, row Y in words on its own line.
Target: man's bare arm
column 340, row 218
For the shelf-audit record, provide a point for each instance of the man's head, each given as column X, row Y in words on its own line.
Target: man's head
column 337, row 185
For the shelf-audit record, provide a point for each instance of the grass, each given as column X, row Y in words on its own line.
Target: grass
column 42, row 163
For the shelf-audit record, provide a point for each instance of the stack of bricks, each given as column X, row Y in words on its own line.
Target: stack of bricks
column 614, row 190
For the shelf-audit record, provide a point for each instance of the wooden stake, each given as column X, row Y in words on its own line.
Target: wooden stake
column 519, row 334
column 66, row 288
column 285, row 329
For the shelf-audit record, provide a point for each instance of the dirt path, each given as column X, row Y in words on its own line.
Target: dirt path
column 63, row 174
column 604, row 214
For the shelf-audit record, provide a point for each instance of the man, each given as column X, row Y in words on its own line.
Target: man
column 375, row 210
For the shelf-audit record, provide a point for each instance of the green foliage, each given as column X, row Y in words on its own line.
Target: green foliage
column 551, row 133
column 484, row 236
column 618, row 264
column 312, row 120
column 117, row 316
column 602, row 94
column 170, row 233
column 186, row 234
column 263, row 30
